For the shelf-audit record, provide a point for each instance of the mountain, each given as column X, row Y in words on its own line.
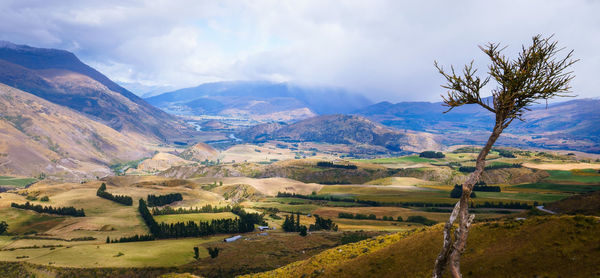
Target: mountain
column 60, row 77
column 341, row 129
column 37, row 136
column 569, row 125
column 257, row 98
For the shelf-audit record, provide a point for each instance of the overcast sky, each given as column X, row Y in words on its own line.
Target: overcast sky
column 382, row 49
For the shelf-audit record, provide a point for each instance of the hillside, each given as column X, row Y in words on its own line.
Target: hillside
column 559, row 246
column 60, row 77
column 37, row 136
column 564, row 125
column 257, row 98
column 342, row 129
column 200, row 152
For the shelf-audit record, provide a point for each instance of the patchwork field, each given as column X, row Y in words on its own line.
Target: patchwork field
column 409, row 193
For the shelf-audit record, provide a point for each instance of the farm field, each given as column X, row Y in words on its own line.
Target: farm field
column 14, row 181
column 415, row 187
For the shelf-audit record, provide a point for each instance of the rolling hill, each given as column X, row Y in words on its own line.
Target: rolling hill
column 351, row 130
column 60, row 77
column 569, row 125
column 559, row 246
column 257, row 98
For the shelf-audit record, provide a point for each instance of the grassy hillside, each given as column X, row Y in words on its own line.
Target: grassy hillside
column 557, row 246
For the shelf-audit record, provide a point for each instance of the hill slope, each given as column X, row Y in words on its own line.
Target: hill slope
column 342, row 129
column 59, row 77
column 37, row 136
column 559, row 246
column 565, row 125
column 257, row 98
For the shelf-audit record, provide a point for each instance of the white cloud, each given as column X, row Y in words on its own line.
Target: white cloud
column 383, row 49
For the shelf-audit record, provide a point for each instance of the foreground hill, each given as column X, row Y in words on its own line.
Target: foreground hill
column 257, row 98
column 60, row 77
column 342, row 129
column 37, row 136
column 565, row 125
column 558, row 246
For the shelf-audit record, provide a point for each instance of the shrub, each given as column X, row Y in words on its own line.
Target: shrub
column 45, row 199
column 213, row 252
column 432, row 154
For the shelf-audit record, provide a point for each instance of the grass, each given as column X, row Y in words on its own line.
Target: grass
column 572, row 176
column 174, row 218
column 18, row 182
column 27, row 222
column 535, row 247
column 520, row 196
column 397, row 160
column 559, row 187
column 135, row 254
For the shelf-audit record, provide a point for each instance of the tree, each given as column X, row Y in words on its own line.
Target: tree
column 303, row 230
column 196, row 252
column 535, row 74
column 3, row 227
column 213, row 251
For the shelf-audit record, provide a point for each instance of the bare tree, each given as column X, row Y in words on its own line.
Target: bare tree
column 536, row 74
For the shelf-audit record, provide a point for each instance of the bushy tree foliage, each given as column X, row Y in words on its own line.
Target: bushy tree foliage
column 71, row 211
column 432, row 154
column 204, row 209
column 121, row 199
column 323, row 224
column 161, row 200
column 3, row 227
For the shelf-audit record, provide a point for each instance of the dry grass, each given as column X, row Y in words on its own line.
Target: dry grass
column 562, row 166
column 539, row 247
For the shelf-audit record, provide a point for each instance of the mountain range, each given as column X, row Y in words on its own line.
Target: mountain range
column 248, row 98
column 572, row 124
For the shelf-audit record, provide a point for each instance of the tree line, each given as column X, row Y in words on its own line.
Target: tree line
column 327, row 164
column 161, row 200
column 130, row 239
column 470, row 169
column 204, row 209
column 432, row 154
column 511, row 205
column 244, row 223
column 121, row 199
column 49, row 209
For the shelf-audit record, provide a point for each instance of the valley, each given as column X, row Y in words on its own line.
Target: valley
column 242, row 167
column 404, row 195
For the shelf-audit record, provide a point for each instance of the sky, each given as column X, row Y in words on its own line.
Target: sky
column 384, row 50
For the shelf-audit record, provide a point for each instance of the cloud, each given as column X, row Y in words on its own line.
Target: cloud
column 382, row 49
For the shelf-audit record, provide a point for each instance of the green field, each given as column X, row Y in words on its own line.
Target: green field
column 203, row 217
column 520, row 196
column 135, row 254
column 18, row 182
column 559, row 187
column 574, row 176
column 394, row 160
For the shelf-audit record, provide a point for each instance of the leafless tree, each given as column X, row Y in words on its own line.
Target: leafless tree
column 536, row 74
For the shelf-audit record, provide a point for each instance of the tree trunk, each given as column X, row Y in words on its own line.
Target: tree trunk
column 453, row 249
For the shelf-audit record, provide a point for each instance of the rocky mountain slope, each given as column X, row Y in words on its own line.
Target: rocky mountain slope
column 60, row 77
column 342, row 129
column 257, row 98
column 37, row 136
